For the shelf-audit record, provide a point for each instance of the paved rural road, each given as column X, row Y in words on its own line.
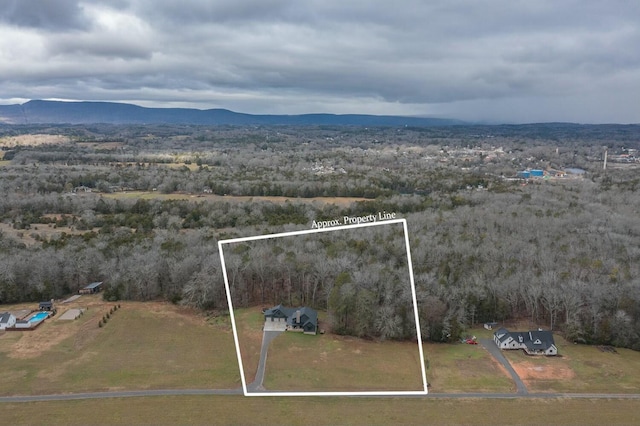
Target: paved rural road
column 187, row 392
column 495, row 351
column 267, row 337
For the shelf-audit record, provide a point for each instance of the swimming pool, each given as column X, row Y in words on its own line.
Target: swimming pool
column 39, row 317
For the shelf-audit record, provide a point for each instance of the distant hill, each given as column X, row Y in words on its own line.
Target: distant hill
column 56, row 112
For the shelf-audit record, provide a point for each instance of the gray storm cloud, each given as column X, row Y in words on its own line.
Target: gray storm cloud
column 502, row 61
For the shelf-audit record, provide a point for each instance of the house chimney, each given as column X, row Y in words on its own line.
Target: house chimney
column 298, row 316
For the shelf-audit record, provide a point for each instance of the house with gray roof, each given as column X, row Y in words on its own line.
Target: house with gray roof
column 7, row 320
column 302, row 319
column 534, row 342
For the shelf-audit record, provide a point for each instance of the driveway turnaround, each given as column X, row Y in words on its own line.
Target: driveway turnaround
column 496, row 352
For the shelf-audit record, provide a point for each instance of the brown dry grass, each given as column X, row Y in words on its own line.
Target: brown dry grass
column 143, row 346
column 230, row 198
column 579, row 368
column 249, row 323
column 102, row 145
column 238, row 410
column 43, row 231
column 299, row 362
column 32, row 140
column 33, row 343
column 464, row 368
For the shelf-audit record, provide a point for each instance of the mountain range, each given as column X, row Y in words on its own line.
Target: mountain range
column 57, row 112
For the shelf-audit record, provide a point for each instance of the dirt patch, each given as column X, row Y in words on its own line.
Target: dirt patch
column 530, row 371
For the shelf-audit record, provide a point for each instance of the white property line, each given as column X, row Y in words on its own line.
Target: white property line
column 313, row 231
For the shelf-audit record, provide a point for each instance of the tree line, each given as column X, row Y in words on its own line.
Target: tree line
column 563, row 254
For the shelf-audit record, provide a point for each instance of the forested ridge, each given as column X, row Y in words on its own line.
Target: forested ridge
column 563, row 253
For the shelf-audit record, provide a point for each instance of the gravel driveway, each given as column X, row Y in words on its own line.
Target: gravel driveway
column 496, row 352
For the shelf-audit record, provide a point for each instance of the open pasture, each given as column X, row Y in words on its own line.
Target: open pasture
column 460, row 367
column 579, row 369
column 239, row 410
column 142, row 346
column 155, row 195
column 327, row 363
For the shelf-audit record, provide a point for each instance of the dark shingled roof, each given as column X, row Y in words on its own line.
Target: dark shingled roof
column 308, row 316
column 93, row 285
column 4, row 317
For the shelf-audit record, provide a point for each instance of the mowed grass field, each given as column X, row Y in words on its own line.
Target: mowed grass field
column 249, row 323
column 161, row 346
column 239, row 410
column 299, row 362
column 142, row 346
column 458, row 367
column 325, row 363
column 579, row 369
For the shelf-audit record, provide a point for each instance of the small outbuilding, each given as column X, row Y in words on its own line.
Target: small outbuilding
column 46, row 306
column 490, row 325
column 91, row 288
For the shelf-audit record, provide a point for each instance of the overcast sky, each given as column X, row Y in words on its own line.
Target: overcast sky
column 498, row 61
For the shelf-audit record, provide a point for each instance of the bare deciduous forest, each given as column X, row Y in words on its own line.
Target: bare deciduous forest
column 142, row 208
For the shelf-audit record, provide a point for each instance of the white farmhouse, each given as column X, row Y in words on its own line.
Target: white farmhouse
column 7, row 320
column 535, row 342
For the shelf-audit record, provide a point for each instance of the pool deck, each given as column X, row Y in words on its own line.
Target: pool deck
column 22, row 313
column 71, row 314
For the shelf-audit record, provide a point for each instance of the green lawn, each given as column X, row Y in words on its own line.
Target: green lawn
column 249, row 323
column 580, row 368
column 157, row 345
column 464, row 368
column 239, row 410
column 299, row 362
column 139, row 348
